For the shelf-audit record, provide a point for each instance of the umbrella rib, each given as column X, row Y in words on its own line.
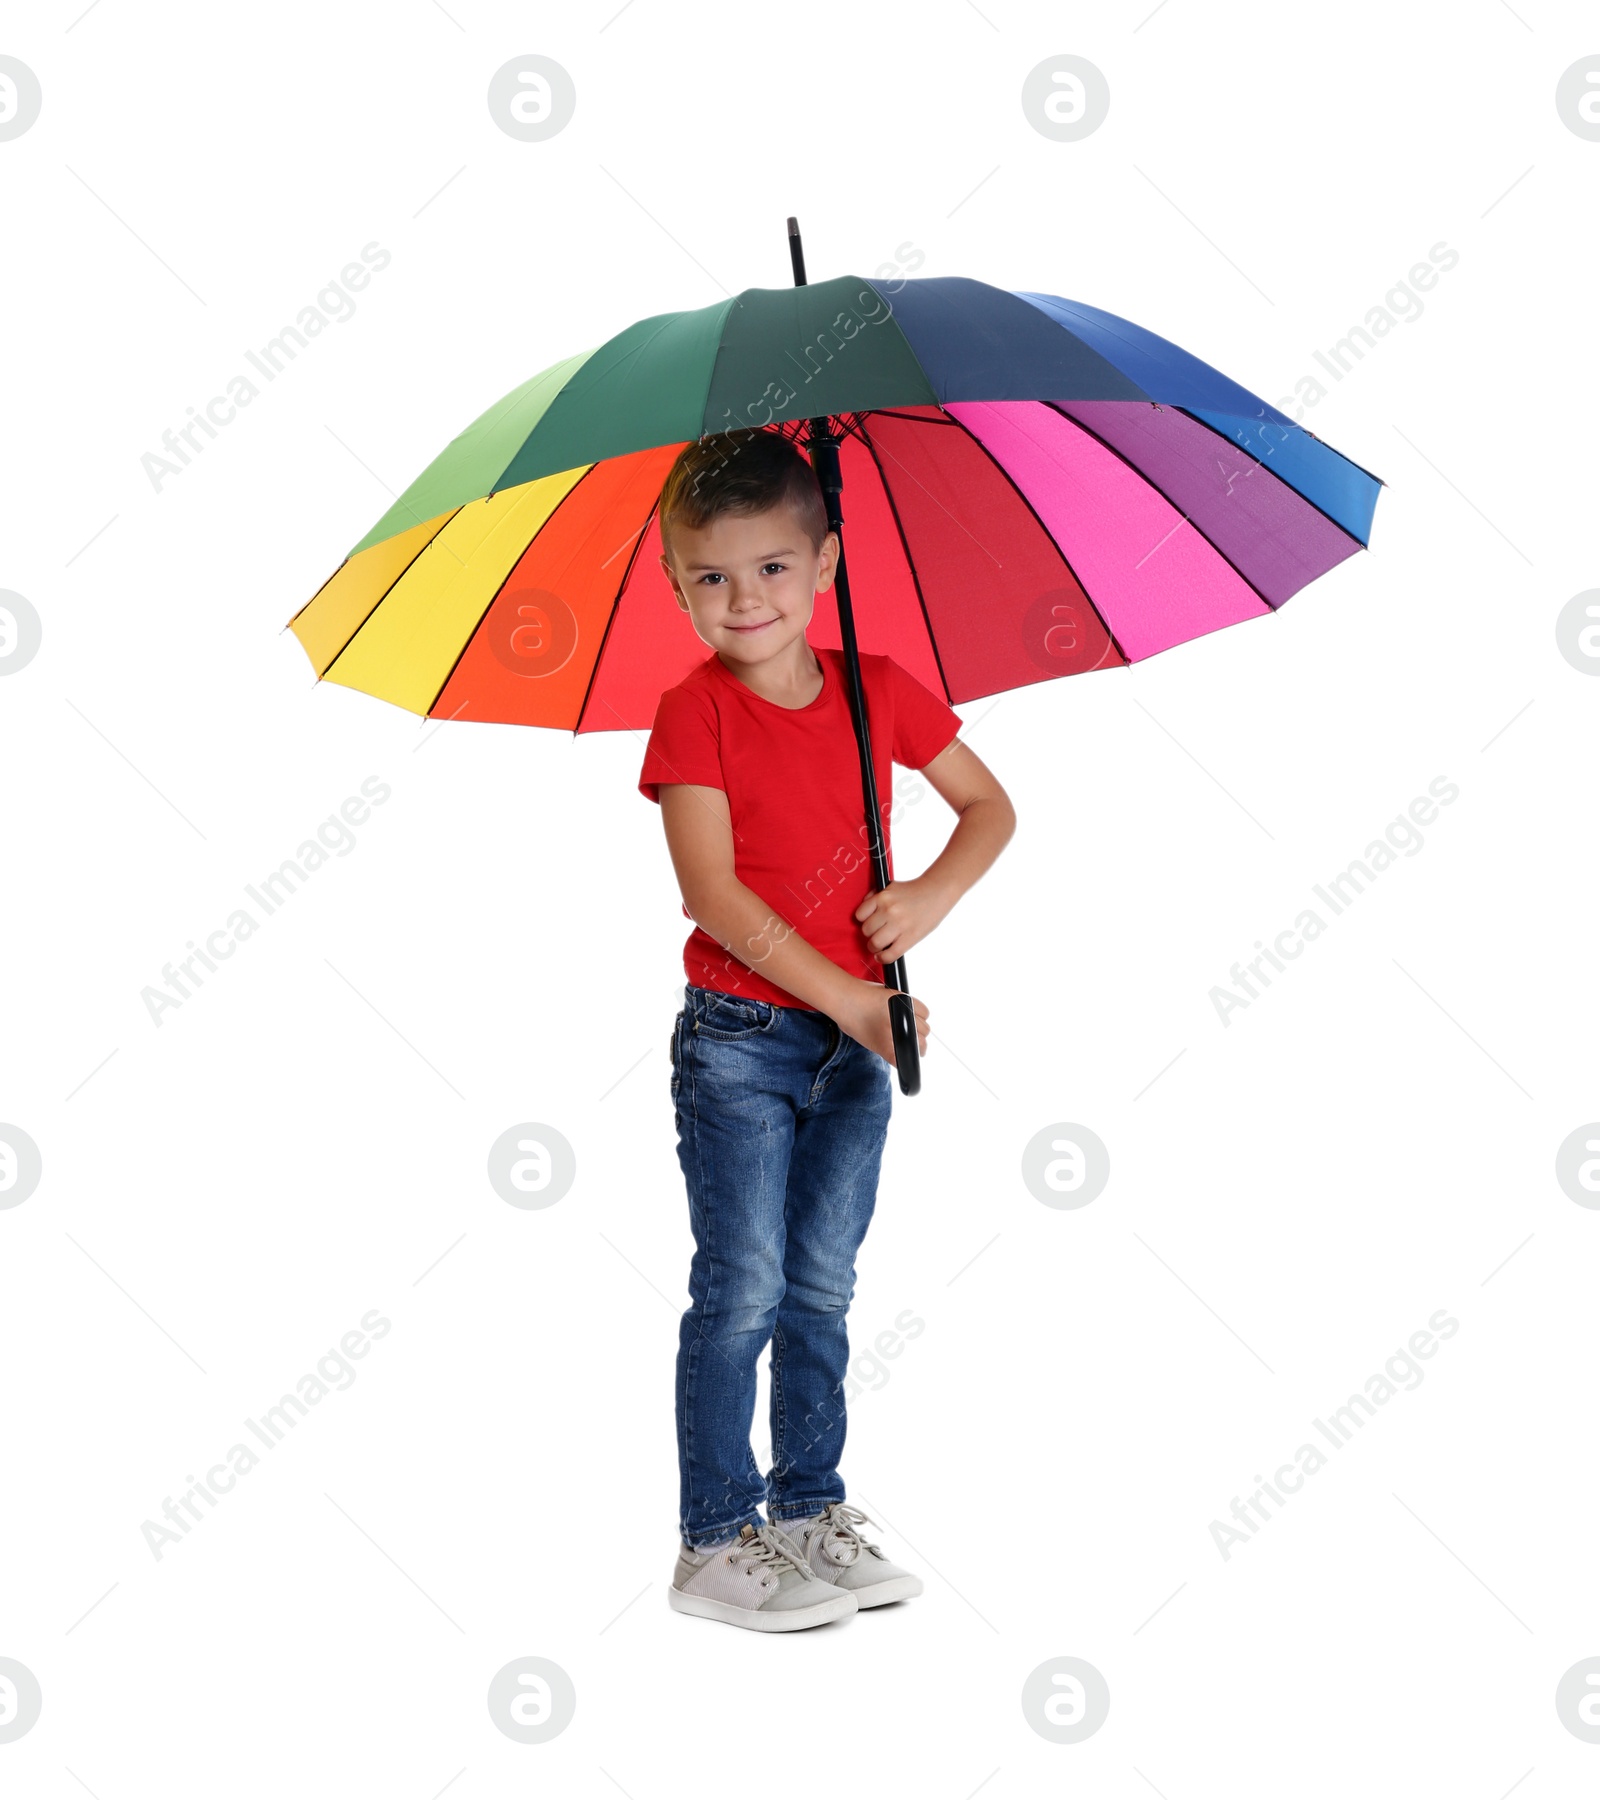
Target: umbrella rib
column 321, row 586
column 366, row 616
column 916, row 580
column 1261, row 463
column 616, row 604
column 633, row 554
column 503, row 405
column 516, row 563
column 1184, row 517
column 1005, row 475
column 663, row 322
column 889, row 412
column 1329, row 447
column 616, row 600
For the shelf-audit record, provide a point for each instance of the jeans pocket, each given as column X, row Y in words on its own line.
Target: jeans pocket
column 727, row 1017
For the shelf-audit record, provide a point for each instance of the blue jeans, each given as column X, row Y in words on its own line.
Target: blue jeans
column 781, row 1123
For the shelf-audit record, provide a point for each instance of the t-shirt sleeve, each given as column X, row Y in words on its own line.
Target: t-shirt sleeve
column 683, row 745
column 923, row 724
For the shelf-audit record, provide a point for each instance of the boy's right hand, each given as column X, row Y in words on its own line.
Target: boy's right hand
column 864, row 1015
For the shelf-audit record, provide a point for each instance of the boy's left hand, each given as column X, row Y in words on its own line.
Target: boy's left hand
column 899, row 916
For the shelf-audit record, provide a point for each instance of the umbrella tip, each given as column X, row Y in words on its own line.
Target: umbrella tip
column 794, row 226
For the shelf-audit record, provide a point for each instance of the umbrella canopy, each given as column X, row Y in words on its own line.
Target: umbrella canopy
column 1032, row 488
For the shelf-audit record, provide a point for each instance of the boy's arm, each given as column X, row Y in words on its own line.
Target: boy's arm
column 700, row 840
column 902, row 914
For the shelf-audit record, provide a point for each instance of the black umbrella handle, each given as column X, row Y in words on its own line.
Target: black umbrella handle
column 907, row 1058
column 823, row 443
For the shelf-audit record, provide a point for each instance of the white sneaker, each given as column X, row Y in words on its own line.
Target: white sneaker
column 755, row 1580
column 834, row 1549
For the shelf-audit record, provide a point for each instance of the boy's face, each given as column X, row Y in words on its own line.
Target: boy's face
column 748, row 581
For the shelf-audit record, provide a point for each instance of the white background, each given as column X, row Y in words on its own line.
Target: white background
column 225, row 1194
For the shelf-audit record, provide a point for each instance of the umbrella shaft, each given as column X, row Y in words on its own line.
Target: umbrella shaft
column 823, row 444
column 824, row 447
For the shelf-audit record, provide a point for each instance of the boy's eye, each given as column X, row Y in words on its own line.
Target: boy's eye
column 712, row 574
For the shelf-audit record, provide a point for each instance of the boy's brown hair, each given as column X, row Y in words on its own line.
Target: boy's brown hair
column 742, row 472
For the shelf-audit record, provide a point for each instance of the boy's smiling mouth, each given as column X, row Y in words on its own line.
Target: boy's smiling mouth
column 761, row 627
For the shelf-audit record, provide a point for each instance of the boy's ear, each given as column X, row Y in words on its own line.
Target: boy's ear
column 672, row 580
column 829, row 565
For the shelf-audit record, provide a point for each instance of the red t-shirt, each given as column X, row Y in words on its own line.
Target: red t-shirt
column 793, row 781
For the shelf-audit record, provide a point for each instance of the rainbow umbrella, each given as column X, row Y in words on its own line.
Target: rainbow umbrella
column 1037, row 488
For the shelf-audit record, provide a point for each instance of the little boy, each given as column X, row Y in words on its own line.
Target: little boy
column 782, row 1054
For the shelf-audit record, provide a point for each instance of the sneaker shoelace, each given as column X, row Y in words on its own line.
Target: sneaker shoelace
column 765, row 1549
column 839, row 1522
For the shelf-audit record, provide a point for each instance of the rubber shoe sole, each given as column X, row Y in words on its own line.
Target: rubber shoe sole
column 840, row 1605
column 905, row 1587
